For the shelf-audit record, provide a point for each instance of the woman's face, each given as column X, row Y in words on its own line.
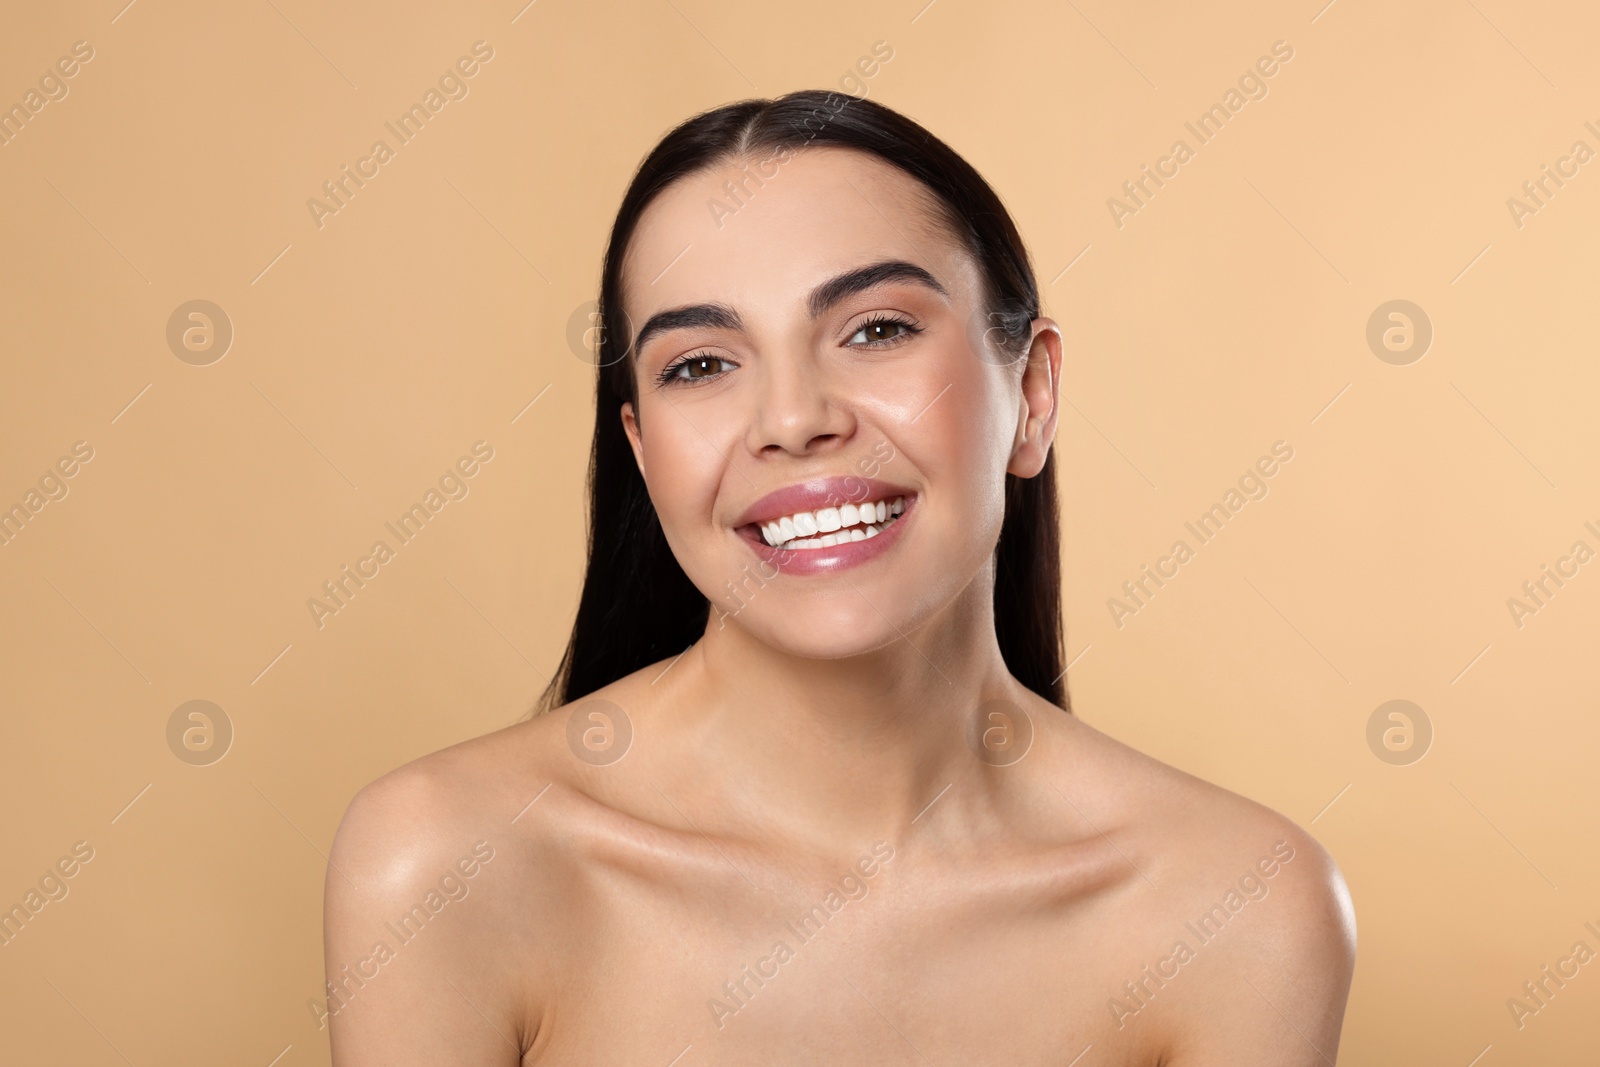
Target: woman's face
column 810, row 339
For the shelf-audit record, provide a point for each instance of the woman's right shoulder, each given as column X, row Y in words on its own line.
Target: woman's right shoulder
column 479, row 786
column 462, row 789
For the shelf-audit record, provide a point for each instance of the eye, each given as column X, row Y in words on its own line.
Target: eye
column 883, row 330
column 696, row 368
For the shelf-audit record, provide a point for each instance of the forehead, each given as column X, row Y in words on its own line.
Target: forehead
column 752, row 232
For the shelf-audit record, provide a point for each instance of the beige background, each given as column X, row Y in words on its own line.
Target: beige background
column 1229, row 313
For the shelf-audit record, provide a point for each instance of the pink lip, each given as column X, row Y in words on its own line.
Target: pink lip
column 828, row 492
column 824, row 493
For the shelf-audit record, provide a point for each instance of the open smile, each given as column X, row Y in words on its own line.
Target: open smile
column 806, row 529
column 830, row 526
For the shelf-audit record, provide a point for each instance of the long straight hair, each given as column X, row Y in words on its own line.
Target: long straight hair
column 638, row 607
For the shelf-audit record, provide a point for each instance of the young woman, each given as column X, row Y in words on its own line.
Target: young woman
column 807, row 787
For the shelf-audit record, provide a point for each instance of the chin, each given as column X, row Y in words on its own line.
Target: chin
column 829, row 633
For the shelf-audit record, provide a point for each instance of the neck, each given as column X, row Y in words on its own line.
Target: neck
column 850, row 750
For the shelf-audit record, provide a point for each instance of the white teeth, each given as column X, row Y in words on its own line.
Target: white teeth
column 837, row 526
column 828, row 527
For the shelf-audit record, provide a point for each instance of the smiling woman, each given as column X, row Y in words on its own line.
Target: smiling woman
column 852, row 390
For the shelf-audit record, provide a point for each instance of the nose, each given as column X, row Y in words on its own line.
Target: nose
column 798, row 410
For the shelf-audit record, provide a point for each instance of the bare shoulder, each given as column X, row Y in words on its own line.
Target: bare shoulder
column 429, row 805
column 1237, row 892
column 439, row 894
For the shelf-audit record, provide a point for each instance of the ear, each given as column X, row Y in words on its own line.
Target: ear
column 630, row 426
column 1038, row 407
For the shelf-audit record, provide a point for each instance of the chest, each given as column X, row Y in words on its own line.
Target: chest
column 882, row 968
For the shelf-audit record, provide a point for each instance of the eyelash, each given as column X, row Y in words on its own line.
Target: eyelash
column 669, row 373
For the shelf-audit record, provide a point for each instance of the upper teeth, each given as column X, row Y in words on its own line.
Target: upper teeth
column 802, row 525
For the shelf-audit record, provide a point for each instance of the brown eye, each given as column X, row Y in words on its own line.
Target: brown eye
column 882, row 331
column 701, row 367
column 694, row 369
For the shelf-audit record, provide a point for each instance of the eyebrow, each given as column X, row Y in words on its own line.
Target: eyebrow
column 823, row 297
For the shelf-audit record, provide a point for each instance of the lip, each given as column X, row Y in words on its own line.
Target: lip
column 822, row 493
column 828, row 492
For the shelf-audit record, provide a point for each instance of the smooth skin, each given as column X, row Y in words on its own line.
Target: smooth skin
column 811, row 753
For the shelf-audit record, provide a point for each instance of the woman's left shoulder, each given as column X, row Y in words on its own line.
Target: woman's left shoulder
column 1209, row 845
column 1224, row 878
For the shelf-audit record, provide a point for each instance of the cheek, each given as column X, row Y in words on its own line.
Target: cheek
column 967, row 439
column 683, row 464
